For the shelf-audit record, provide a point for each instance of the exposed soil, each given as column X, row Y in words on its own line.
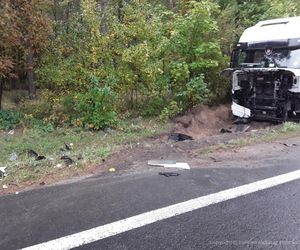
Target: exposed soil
column 203, row 121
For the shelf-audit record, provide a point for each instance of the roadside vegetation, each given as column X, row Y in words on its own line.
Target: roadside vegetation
column 67, row 152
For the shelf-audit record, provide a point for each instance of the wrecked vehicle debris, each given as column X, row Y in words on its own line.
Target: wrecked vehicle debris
column 112, row 170
column 168, row 174
column 13, row 156
column 68, row 160
column 67, row 147
column 35, row 155
column 3, row 172
column 265, row 70
column 179, row 137
column 225, row 130
column 160, row 162
column 289, row 145
column 169, row 164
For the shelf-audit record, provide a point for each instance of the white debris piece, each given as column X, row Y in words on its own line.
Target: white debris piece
column 11, row 132
column 182, row 165
column 59, row 165
column 4, row 186
column 169, row 164
column 2, row 172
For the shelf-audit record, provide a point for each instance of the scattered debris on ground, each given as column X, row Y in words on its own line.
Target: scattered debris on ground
column 2, row 172
column 67, row 147
column 289, row 145
column 189, row 142
column 35, row 155
column 59, row 165
column 13, row 156
column 160, row 163
column 112, row 170
column 11, row 132
column 67, row 159
column 4, row 186
column 214, row 159
column 242, row 128
column 225, row 130
column 240, row 120
column 168, row 174
column 179, row 137
column 238, row 128
column 169, row 164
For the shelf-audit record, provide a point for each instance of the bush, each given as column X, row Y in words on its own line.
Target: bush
column 170, row 111
column 96, row 108
column 30, row 122
column 9, row 119
column 195, row 93
column 153, row 107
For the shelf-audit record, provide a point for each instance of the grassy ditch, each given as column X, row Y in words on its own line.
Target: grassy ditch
column 88, row 149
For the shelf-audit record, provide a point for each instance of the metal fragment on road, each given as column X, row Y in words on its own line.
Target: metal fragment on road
column 169, row 164
column 160, row 162
column 289, row 145
column 182, row 165
column 168, row 174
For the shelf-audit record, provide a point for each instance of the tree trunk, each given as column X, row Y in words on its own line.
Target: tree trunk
column 102, row 7
column 1, row 92
column 30, row 73
column 120, row 10
column 55, row 16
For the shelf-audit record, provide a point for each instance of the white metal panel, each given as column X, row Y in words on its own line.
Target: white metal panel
column 240, row 111
column 272, row 30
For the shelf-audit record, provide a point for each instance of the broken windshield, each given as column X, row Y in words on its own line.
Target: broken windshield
column 279, row 58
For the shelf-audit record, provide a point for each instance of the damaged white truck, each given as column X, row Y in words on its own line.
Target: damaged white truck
column 265, row 70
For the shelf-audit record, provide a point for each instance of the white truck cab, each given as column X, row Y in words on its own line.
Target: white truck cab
column 265, row 69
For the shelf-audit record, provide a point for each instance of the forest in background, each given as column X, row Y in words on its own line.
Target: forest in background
column 91, row 64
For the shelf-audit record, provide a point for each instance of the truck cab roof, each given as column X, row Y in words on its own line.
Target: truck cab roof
column 281, row 29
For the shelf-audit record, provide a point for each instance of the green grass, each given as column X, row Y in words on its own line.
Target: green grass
column 92, row 146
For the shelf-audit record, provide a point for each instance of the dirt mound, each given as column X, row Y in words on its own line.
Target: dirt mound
column 203, row 121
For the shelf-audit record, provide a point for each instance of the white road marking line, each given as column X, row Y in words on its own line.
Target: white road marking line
column 114, row 228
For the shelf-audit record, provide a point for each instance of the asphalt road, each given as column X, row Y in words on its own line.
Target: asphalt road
column 267, row 219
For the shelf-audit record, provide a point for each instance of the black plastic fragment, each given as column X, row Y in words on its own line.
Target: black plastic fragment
column 225, row 130
column 179, row 137
column 68, row 160
column 40, row 157
column 168, row 174
column 67, row 147
column 33, row 154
